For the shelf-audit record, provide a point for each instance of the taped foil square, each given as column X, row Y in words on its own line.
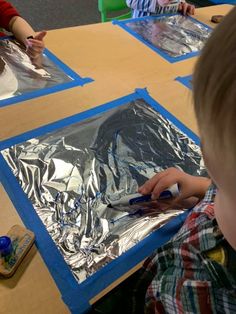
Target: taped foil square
column 175, row 35
column 19, row 76
column 71, row 174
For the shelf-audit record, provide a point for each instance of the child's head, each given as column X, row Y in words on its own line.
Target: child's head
column 214, row 89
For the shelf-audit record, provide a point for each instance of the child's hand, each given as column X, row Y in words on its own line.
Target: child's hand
column 36, row 46
column 192, row 189
column 186, row 8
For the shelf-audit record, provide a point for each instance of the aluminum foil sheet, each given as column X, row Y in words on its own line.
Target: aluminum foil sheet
column 18, row 75
column 72, row 174
column 175, row 35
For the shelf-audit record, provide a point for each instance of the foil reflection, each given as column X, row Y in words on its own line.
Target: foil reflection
column 175, row 35
column 19, row 76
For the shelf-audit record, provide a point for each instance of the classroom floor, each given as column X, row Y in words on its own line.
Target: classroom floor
column 48, row 14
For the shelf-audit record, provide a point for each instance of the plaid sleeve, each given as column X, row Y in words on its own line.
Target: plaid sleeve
column 7, row 12
column 209, row 197
column 206, row 206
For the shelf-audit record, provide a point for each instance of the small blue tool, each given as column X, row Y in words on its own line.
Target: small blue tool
column 5, row 246
column 13, row 248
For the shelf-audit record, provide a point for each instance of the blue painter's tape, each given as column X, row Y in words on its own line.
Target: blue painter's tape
column 185, row 80
column 123, row 24
column 39, row 93
column 66, row 69
column 77, row 80
column 75, row 295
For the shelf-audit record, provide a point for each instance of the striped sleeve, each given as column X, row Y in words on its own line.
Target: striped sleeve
column 142, row 5
column 172, row 7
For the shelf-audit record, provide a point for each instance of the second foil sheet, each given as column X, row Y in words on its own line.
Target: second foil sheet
column 174, row 35
column 18, row 75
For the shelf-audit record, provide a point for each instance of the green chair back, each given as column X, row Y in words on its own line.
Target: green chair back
column 107, row 7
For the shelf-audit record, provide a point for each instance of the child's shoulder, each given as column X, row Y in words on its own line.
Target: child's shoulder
column 202, row 213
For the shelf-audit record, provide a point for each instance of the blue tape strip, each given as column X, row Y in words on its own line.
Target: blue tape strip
column 38, row 93
column 123, row 24
column 77, row 80
column 185, row 80
column 75, row 295
column 66, row 69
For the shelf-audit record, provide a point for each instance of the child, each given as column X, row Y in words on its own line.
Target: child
column 23, row 32
column 156, row 7
column 195, row 272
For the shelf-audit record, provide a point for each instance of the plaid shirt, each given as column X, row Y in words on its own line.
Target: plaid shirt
column 184, row 276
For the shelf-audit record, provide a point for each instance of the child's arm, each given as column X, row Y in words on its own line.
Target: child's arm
column 22, row 30
column 192, row 189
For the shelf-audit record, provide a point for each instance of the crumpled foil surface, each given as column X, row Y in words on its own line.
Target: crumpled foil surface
column 22, row 75
column 175, row 35
column 70, row 175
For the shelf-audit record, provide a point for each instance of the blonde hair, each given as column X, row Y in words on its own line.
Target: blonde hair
column 214, row 88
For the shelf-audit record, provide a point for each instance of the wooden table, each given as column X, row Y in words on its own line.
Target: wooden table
column 118, row 63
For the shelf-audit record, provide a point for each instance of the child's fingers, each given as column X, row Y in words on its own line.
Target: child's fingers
column 149, row 185
column 33, row 54
column 177, row 203
column 35, row 46
column 185, row 7
column 162, row 185
column 192, row 9
column 167, row 204
column 173, row 173
column 34, row 42
column 35, row 50
column 40, row 35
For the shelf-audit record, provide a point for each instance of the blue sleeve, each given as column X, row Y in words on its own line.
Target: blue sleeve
column 142, row 5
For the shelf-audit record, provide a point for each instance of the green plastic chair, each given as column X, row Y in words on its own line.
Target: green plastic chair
column 109, row 6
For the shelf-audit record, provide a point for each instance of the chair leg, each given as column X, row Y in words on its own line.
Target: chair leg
column 104, row 18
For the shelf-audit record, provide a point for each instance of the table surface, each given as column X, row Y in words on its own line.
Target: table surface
column 118, row 63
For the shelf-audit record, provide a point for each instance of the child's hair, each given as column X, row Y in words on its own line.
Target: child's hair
column 214, row 88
